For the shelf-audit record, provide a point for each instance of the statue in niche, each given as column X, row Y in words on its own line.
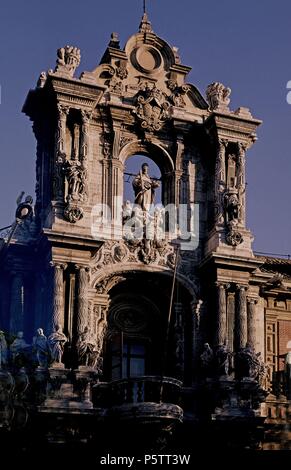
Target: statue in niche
column 57, row 341
column 232, row 207
column 76, row 176
column 87, row 349
column 144, row 188
column 41, row 348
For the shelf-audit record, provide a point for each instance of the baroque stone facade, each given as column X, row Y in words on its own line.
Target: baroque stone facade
column 182, row 324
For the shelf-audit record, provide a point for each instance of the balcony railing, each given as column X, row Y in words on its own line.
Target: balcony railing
column 144, row 389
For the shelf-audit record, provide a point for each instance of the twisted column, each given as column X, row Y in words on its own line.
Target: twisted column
column 60, row 150
column 220, row 336
column 86, row 116
column 58, row 295
column 251, row 328
column 220, row 180
column 241, row 183
column 241, row 317
column 82, row 298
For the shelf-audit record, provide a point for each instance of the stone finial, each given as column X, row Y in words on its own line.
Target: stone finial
column 218, row 96
column 68, row 60
column 145, row 25
column 41, row 80
column 176, row 54
column 114, row 41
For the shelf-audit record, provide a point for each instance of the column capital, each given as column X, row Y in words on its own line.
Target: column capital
column 63, row 110
column 222, row 142
column 242, row 147
column 86, row 116
column 222, row 284
column 80, row 267
column 241, row 287
column 58, row 265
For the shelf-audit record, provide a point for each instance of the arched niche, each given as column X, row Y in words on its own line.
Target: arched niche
column 161, row 158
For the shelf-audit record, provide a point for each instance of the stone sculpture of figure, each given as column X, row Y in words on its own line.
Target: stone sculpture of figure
column 248, row 363
column 144, row 188
column 57, row 341
column 232, row 206
column 18, row 346
column 41, row 348
column 3, row 350
column 86, row 349
column 76, row 176
column 222, row 356
column 207, row 359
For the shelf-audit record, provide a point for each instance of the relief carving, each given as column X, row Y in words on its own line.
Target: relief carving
column 152, row 108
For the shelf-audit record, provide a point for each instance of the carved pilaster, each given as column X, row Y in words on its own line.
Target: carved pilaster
column 241, row 317
column 251, row 322
column 241, row 183
column 60, row 151
column 82, row 298
column 221, row 313
column 100, row 320
column 58, row 295
column 76, row 141
column 220, row 181
column 17, row 303
column 86, row 117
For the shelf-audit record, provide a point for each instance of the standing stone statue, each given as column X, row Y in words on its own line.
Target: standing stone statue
column 57, row 341
column 18, row 347
column 3, row 350
column 86, row 349
column 41, row 348
column 207, row 358
column 144, row 188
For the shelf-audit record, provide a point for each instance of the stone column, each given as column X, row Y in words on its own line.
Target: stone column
column 220, row 334
column 58, row 295
column 76, row 141
column 241, row 183
column 16, row 303
column 252, row 323
column 196, row 339
column 60, row 151
column 86, row 116
column 82, row 298
column 220, row 181
column 241, row 318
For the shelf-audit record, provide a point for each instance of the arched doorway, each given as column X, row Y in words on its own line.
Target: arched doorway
column 136, row 343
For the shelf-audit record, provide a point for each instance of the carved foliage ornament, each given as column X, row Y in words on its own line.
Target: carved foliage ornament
column 152, row 108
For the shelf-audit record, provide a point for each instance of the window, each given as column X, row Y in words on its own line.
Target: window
column 128, row 357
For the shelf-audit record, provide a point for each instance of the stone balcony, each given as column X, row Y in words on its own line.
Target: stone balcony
column 145, row 398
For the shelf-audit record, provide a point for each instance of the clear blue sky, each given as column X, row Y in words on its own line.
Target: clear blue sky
column 246, row 45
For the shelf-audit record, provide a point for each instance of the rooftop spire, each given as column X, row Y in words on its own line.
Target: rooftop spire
column 145, row 25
